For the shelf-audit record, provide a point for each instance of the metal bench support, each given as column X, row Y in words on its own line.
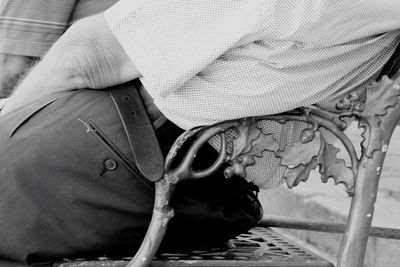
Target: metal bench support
column 377, row 112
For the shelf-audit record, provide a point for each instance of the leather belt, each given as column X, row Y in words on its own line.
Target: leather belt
column 139, row 130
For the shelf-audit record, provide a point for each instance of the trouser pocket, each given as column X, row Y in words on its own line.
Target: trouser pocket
column 112, row 148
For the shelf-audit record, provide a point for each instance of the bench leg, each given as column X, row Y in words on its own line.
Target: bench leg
column 379, row 128
column 354, row 242
column 162, row 213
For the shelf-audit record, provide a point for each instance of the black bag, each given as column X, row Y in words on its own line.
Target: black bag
column 70, row 186
column 211, row 212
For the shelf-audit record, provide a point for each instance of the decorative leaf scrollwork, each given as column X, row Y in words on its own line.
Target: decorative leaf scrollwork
column 301, row 153
column 332, row 167
column 352, row 102
column 300, row 173
column 250, row 142
column 301, row 158
column 381, row 97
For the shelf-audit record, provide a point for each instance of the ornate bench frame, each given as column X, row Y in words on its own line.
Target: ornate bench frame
column 377, row 111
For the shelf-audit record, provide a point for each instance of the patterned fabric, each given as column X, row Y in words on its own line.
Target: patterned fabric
column 205, row 61
column 30, row 27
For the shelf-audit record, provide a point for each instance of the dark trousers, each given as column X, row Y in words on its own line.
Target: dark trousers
column 69, row 186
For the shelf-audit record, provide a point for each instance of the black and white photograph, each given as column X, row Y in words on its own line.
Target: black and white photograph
column 194, row 133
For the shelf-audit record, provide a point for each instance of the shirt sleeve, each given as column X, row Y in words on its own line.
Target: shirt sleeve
column 85, row 8
column 30, row 27
column 171, row 41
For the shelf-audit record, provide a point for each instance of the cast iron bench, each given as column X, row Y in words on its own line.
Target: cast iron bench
column 243, row 141
column 377, row 111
